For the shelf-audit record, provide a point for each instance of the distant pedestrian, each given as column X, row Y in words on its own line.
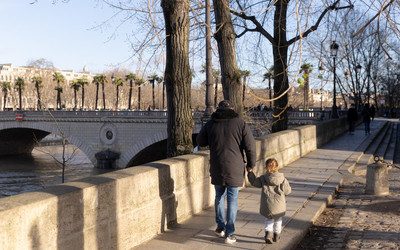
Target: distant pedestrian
column 372, row 112
column 228, row 136
column 386, row 112
column 366, row 118
column 273, row 202
column 394, row 112
column 352, row 117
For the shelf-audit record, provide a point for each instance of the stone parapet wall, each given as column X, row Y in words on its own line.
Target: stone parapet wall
column 127, row 207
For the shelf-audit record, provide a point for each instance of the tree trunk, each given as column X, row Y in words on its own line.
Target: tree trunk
column 117, row 98
column 38, row 93
column 154, row 104
column 76, row 101
column 104, row 96
column 216, row 93
column 281, row 82
column 5, row 100
column 306, row 88
column 230, row 76
column 20, row 97
column 178, row 78
column 139, row 98
column 163, row 95
column 83, row 96
column 130, row 94
column 97, row 95
column 59, row 97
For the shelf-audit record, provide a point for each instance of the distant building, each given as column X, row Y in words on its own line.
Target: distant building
column 10, row 73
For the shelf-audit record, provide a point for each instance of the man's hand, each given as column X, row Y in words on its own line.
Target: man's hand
column 249, row 169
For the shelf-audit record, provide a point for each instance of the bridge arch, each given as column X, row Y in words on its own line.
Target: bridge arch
column 139, row 146
column 48, row 128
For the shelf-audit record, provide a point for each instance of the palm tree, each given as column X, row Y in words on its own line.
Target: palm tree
column 306, row 68
column 103, row 80
column 131, row 78
column 75, row 85
column 269, row 75
column 138, row 82
column 20, row 85
column 118, row 82
column 159, row 80
column 96, row 80
column 59, row 78
column 245, row 74
column 152, row 78
column 37, row 80
column 5, row 87
column 83, row 81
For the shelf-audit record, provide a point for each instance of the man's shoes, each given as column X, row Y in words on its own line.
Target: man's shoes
column 220, row 232
column 230, row 239
column 268, row 237
column 277, row 237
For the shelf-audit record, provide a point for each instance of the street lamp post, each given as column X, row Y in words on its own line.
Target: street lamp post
column 334, row 50
column 358, row 71
column 321, row 71
column 347, row 74
column 368, row 95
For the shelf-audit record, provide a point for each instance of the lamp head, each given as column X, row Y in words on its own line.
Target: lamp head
column 347, row 73
column 358, row 68
column 112, row 78
column 334, row 49
column 321, row 69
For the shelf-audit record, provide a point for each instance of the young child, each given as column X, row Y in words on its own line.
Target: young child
column 273, row 203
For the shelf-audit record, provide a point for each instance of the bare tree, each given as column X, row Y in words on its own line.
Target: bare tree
column 178, row 77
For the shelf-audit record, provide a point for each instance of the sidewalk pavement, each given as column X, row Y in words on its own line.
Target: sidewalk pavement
column 314, row 179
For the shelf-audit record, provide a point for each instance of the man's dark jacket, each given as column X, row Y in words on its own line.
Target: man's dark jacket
column 228, row 135
column 352, row 114
column 366, row 115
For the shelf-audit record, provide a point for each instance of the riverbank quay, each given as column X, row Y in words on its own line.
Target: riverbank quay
column 128, row 207
column 314, row 178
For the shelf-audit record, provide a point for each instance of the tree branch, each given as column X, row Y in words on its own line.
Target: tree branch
column 258, row 28
column 315, row 26
column 245, row 31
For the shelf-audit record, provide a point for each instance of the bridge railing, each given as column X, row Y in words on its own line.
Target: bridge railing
column 89, row 113
column 163, row 113
column 295, row 114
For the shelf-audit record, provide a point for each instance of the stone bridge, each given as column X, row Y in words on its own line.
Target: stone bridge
column 97, row 133
column 123, row 132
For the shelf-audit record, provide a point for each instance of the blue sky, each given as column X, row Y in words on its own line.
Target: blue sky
column 60, row 33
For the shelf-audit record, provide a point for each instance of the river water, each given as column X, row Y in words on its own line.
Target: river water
column 24, row 173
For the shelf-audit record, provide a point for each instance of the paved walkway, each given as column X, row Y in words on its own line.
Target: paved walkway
column 314, row 178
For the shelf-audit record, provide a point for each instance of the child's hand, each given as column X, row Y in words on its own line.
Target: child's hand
column 249, row 169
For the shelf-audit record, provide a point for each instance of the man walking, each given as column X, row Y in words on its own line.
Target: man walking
column 352, row 117
column 228, row 136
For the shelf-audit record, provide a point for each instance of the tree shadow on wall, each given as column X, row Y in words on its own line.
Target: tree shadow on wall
column 86, row 210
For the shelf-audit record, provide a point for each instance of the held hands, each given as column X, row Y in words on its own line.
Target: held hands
column 249, row 169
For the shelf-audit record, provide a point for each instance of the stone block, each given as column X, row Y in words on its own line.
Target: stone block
column 377, row 182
